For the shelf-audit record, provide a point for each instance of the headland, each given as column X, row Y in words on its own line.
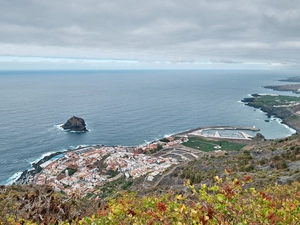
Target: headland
column 295, row 88
column 287, row 108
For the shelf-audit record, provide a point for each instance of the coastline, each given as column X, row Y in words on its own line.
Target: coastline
column 294, row 110
column 286, row 116
column 218, row 127
column 286, row 113
column 22, row 147
column 294, row 88
column 28, row 175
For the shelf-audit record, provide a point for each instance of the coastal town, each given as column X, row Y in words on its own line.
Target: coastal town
column 82, row 170
column 85, row 170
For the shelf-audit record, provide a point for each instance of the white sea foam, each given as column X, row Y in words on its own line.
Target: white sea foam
column 268, row 94
column 147, row 142
column 144, row 143
column 82, row 146
column 260, row 111
column 278, row 120
column 59, row 126
column 73, row 131
column 41, row 157
column 72, row 147
column 155, row 139
column 168, row 135
column 13, row 178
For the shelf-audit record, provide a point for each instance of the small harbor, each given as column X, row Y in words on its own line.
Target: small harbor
column 226, row 132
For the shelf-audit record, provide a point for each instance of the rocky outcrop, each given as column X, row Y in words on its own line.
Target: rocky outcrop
column 259, row 137
column 75, row 124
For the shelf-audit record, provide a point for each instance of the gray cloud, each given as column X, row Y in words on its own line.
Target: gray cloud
column 227, row 31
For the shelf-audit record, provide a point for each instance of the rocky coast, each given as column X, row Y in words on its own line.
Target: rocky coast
column 295, row 88
column 28, row 175
column 286, row 108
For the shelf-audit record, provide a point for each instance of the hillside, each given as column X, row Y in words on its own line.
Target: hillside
column 227, row 201
column 174, row 199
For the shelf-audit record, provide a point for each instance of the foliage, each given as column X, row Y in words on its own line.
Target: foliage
column 152, row 151
column 110, row 188
column 209, row 145
column 164, row 140
column 126, row 185
column 193, row 174
column 71, row 171
column 227, row 201
column 35, row 204
column 112, row 173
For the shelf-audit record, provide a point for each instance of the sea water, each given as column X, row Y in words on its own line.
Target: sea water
column 121, row 108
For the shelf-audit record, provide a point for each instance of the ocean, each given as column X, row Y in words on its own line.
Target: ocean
column 121, row 108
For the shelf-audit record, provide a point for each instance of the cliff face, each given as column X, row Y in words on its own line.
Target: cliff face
column 75, row 124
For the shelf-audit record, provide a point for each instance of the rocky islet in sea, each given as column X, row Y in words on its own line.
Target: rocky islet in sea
column 75, row 124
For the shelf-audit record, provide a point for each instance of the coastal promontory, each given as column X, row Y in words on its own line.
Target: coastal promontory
column 75, row 124
column 295, row 88
column 287, row 108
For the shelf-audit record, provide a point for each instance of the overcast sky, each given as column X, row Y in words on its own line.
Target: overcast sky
column 195, row 34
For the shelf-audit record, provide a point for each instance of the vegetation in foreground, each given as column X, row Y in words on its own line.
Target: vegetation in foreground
column 228, row 201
